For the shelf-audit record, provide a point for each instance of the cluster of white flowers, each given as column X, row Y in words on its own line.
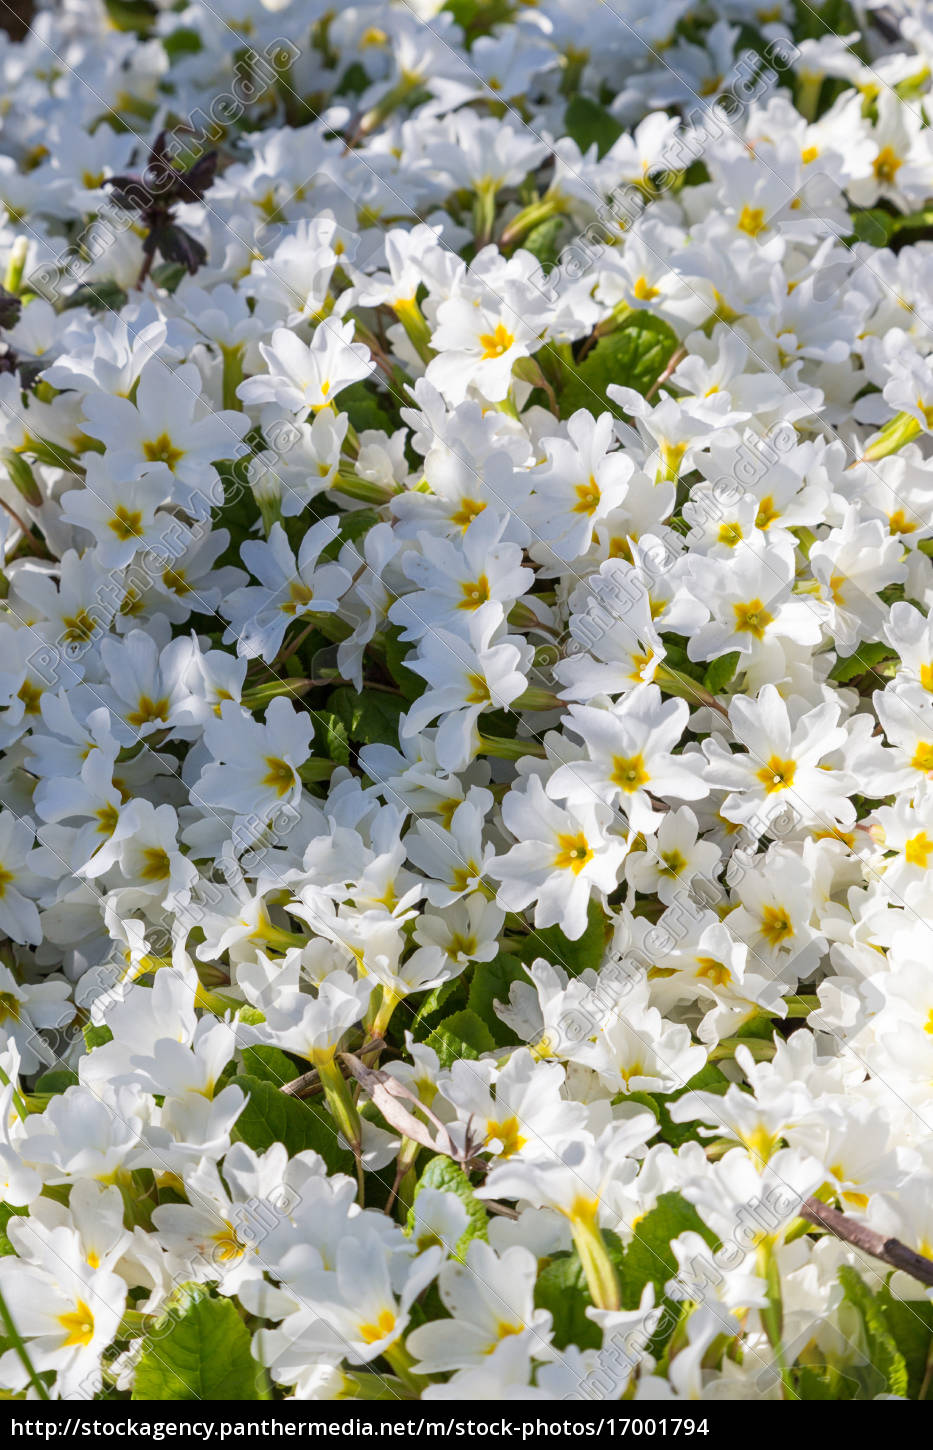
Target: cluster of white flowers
column 466, row 699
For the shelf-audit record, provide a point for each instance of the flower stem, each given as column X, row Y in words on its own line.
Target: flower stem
column 21, row 1351
column 601, row 1278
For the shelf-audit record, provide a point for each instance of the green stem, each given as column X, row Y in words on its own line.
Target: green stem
column 601, row 1278
column 484, row 213
column 232, row 376
column 260, row 695
column 510, row 749
column 530, row 217
column 416, row 326
column 403, row 1364
column 900, row 429
column 359, row 488
column 772, row 1315
column 342, row 1109
column 13, row 280
column 760, row 1048
column 21, row 1351
column 536, row 699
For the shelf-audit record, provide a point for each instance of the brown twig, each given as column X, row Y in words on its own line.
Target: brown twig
column 26, row 530
column 677, row 358
column 889, row 1251
column 310, row 1082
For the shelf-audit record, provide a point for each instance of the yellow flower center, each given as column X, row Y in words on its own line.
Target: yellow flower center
column 777, row 774
column 79, row 627
column 229, row 1246
column 673, row 863
column 644, row 291
column 752, row 618
column 78, row 1326
column 899, row 523
column 174, row 579
column 714, row 971
column 776, row 925
column 279, row 777
column 923, row 757
column 917, row 850
column 9, row 1007
column 629, row 773
column 299, row 595
column 588, row 497
column 573, row 853
column 163, row 450
column 752, row 220
column 156, row 864
column 469, row 509
column 384, row 1325
column 496, row 343
column 508, row 1133
column 886, row 165
column 126, row 523
column 107, row 818
column 475, row 592
column 766, row 514
column 30, row 695
column 148, row 710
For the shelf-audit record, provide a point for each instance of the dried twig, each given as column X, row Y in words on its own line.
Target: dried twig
column 676, row 359
column 890, row 1251
column 310, row 1082
column 390, row 1095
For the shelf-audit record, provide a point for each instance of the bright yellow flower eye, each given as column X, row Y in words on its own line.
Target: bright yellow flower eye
column 777, row 774
column 495, row 344
column 573, row 853
column 752, row 618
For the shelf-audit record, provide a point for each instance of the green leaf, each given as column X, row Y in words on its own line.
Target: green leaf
column 434, row 1002
column 132, row 15
column 365, row 408
column 332, row 735
column 56, row 1081
column 911, row 1324
column 866, row 657
column 448, row 1177
column 97, row 297
column 169, row 275
column 199, row 1350
column 883, row 1353
column 634, row 356
column 461, row 1035
column 300, row 1123
column 96, row 1036
column 543, row 241
column 649, row 1259
column 874, row 226
column 710, row 1080
column 7, row 1211
column 371, row 717
column 586, row 121
column 561, row 1288
column 410, row 684
column 270, row 1064
column 182, row 42
column 350, row 527
column 491, row 983
column 835, row 17
column 353, row 82
column 574, row 956
column 720, row 672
